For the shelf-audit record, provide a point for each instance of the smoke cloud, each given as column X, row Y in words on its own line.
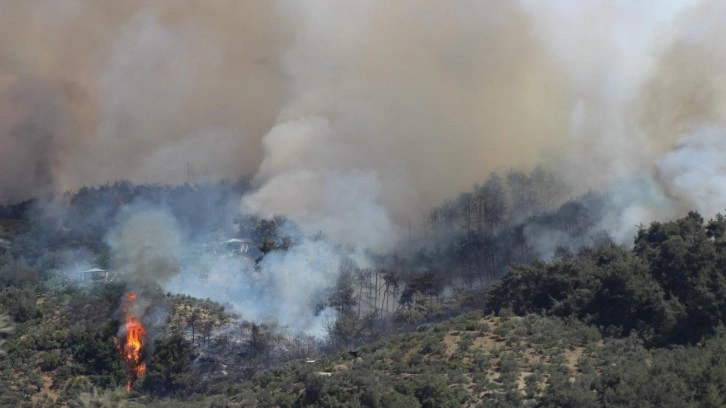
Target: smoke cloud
column 287, row 287
column 93, row 92
column 356, row 117
column 146, row 245
column 151, row 252
column 402, row 111
column 694, row 174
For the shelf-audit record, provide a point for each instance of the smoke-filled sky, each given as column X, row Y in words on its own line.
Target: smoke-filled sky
column 357, row 115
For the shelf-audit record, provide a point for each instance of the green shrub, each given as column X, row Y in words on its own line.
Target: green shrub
column 466, row 340
column 480, row 362
column 433, row 345
column 50, row 360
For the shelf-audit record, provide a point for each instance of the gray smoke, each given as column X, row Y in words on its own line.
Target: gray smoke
column 356, row 117
column 92, row 92
column 404, row 103
column 147, row 245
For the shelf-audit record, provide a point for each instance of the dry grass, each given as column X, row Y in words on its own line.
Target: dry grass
column 529, row 355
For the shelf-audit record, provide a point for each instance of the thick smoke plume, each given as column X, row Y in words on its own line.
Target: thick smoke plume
column 147, row 251
column 402, row 103
column 356, row 117
column 102, row 91
column 147, row 245
column 388, row 114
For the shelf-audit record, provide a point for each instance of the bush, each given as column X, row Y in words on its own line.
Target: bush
column 433, row 392
column 168, row 370
column 20, row 303
column 466, row 340
column 480, row 362
column 50, row 361
column 61, row 376
column 433, row 345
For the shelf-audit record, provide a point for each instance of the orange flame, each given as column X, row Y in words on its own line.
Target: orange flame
column 130, row 343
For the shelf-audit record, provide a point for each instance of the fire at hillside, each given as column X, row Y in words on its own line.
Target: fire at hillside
column 132, row 337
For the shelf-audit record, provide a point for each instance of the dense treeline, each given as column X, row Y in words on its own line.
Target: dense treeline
column 516, row 218
column 499, row 202
column 466, row 244
column 670, row 288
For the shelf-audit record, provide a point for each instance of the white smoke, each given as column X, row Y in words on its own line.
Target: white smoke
column 146, row 245
column 642, row 75
column 305, row 177
column 288, row 287
column 694, row 173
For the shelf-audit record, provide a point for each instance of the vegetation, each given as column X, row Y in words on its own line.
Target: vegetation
column 670, row 287
column 478, row 313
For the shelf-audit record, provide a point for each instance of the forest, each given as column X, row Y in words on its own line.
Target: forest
column 472, row 310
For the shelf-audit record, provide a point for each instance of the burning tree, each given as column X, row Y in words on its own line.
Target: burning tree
column 130, row 341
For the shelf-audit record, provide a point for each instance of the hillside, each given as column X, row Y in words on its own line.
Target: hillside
column 476, row 360
column 600, row 326
column 482, row 361
column 63, row 344
column 366, row 203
